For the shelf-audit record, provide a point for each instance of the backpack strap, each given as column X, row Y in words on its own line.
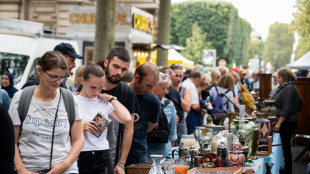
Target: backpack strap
column 124, row 91
column 69, row 104
column 24, row 102
column 227, row 100
column 216, row 90
column 26, row 97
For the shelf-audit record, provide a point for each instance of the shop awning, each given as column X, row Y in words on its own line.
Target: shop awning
column 173, row 58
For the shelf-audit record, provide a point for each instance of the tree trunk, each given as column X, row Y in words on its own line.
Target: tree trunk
column 163, row 31
column 105, row 28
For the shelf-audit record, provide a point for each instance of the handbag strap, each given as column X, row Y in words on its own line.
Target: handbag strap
column 56, row 114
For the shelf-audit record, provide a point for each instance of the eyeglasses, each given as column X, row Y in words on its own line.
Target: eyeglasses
column 55, row 78
column 175, row 66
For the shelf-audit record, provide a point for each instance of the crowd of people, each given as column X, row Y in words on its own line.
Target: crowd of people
column 108, row 117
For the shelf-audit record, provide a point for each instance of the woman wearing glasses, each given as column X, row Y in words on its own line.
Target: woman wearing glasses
column 160, row 91
column 47, row 124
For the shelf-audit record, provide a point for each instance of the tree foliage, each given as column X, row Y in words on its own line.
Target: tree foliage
column 303, row 46
column 301, row 21
column 226, row 32
column 195, row 44
column 279, row 45
column 255, row 48
column 301, row 24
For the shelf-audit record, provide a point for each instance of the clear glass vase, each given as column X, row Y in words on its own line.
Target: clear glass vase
column 156, row 168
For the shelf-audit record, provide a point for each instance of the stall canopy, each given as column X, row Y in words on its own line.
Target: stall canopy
column 302, row 63
column 173, row 58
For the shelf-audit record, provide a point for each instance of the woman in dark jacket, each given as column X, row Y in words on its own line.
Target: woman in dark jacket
column 288, row 103
column 8, row 84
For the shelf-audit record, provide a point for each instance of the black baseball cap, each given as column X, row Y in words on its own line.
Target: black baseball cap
column 67, row 49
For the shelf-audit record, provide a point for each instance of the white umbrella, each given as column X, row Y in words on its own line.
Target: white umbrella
column 302, row 63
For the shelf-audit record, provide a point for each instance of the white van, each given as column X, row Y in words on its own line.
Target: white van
column 20, row 51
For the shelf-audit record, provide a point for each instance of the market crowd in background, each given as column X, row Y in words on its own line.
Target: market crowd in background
column 133, row 104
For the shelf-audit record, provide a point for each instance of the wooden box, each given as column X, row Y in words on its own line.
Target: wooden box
column 139, row 168
column 266, row 153
column 227, row 170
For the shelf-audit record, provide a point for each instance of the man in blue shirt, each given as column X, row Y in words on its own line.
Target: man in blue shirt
column 145, row 80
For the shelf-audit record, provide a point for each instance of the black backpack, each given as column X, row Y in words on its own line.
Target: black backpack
column 161, row 134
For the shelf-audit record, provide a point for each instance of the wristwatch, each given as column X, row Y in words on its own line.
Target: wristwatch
column 112, row 98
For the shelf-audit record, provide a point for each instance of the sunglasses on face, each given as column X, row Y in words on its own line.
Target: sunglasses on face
column 174, row 66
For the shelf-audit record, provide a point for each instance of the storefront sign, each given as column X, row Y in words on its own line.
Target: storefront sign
column 132, row 24
column 90, row 18
column 143, row 23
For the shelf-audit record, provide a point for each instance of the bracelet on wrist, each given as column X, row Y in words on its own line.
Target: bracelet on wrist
column 121, row 165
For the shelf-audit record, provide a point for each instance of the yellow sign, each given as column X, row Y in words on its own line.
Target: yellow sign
column 90, row 18
column 142, row 23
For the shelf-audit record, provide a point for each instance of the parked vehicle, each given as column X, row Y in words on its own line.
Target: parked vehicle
column 22, row 45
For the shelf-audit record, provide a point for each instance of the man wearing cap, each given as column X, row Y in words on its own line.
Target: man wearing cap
column 244, row 80
column 69, row 52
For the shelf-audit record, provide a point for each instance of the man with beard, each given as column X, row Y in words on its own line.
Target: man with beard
column 145, row 80
column 119, row 136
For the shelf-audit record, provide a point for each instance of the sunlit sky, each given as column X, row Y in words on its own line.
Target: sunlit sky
column 262, row 13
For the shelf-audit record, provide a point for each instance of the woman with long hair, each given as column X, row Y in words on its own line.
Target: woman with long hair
column 225, row 86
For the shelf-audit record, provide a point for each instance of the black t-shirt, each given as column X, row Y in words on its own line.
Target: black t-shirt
column 7, row 146
column 130, row 100
column 127, row 97
column 150, row 111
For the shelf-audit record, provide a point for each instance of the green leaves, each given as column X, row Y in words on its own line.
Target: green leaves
column 195, row 44
column 279, row 45
column 220, row 26
column 301, row 24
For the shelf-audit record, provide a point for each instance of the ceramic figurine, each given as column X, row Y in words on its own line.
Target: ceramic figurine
column 264, row 127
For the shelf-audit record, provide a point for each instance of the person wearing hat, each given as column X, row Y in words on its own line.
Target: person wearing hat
column 244, row 80
column 70, row 54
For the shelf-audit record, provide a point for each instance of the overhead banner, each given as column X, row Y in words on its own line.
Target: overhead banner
column 209, row 57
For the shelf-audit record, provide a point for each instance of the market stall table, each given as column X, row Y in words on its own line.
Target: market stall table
column 275, row 158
